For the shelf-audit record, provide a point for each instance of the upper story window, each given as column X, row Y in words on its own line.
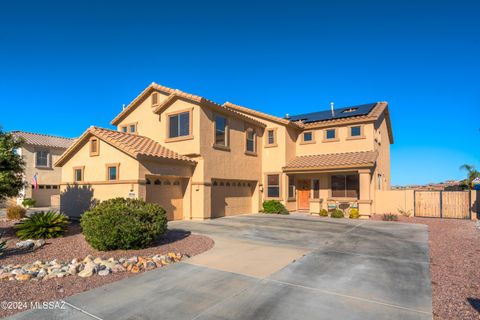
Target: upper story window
column 124, row 129
column 112, row 171
column 133, row 128
column 356, row 131
column 129, row 128
column 42, row 158
column 330, row 134
column 250, row 141
column 179, row 125
column 271, row 137
column 94, row 147
column 308, row 137
column 221, row 131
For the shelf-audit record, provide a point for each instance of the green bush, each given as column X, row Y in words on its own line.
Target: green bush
column 3, row 245
column 323, row 213
column 337, row 213
column 274, row 206
column 390, row 217
column 42, row 225
column 354, row 213
column 28, row 202
column 16, row 212
column 123, row 224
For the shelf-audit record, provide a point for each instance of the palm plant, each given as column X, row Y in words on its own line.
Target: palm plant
column 42, row 225
column 472, row 173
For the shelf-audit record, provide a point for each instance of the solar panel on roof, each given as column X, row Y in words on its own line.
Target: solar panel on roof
column 346, row 112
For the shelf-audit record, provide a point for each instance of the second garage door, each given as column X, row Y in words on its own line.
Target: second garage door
column 169, row 194
column 231, row 197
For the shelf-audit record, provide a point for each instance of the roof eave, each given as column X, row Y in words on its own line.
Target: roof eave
column 328, row 168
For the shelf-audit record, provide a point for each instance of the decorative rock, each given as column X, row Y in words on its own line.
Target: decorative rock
column 118, row 268
column 104, row 272
column 23, row 277
column 38, row 243
column 135, row 269
column 25, row 245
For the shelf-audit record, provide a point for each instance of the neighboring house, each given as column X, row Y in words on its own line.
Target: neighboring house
column 202, row 160
column 40, row 152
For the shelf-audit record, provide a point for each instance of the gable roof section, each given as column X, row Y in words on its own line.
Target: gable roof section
column 175, row 94
column 332, row 161
column 134, row 145
column 43, row 140
column 261, row 115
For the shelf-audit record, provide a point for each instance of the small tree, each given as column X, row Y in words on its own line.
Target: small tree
column 11, row 166
column 472, row 173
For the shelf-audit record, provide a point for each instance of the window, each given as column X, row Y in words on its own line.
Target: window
column 112, row 172
column 77, row 174
column 179, row 125
column 42, row 158
column 379, row 181
column 221, row 131
column 94, row 147
column 250, row 141
column 356, row 131
column 330, row 134
column 133, row 128
column 273, row 186
column 271, row 137
column 316, row 189
column 124, row 129
column 308, row 137
column 345, row 186
column 291, row 187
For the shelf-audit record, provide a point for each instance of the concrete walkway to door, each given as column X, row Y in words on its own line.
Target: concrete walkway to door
column 276, row 267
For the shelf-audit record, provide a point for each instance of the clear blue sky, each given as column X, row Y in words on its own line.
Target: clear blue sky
column 67, row 65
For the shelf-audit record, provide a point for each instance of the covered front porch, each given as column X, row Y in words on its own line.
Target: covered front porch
column 342, row 181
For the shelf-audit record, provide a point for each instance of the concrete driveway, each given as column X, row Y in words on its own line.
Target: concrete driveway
column 276, row 267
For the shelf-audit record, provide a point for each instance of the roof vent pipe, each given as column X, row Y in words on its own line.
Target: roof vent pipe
column 123, row 106
column 333, row 111
column 287, row 116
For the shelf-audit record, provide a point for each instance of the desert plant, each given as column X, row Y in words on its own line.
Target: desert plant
column 337, row 213
column 405, row 213
column 390, row 217
column 354, row 213
column 323, row 213
column 472, row 173
column 274, row 206
column 11, row 166
column 123, row 224
column 16, row 212
column 42, row 225
column 28, row 202
column 3, row 244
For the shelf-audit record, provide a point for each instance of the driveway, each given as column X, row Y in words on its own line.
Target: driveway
column 276, row 267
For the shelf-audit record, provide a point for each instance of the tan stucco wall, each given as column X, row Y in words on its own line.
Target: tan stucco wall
column 391, row 201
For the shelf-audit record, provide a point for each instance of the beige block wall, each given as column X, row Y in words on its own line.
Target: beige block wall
column 391, row 201
column 343, row 145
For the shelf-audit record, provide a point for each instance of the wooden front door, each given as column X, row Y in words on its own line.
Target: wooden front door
column 303, row 193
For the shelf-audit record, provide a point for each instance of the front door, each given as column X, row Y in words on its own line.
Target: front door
column 303, row 192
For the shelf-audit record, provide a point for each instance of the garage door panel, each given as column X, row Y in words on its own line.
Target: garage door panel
column 169, row 196
column 231, row 198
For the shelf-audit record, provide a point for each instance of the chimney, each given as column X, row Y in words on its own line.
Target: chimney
column 333, row 111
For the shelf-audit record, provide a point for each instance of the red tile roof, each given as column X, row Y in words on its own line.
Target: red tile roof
column 44, row 140
column 332, row 160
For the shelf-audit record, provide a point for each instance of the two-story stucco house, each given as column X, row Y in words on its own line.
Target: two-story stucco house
column 40, row 152
column 201, row 160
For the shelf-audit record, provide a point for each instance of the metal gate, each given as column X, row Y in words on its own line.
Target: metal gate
column 442, row 204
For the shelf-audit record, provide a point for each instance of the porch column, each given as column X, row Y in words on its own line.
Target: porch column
column 365, row 202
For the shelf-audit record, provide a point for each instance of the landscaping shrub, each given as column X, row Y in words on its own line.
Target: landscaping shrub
column 16, row 212
column 123, row 224
column 337, row 213
column 390, row 217
column 354, row 213
column 323, row 213
column 42, row 225
column 28, row 202
column 3, row 245
column 405, row 213
column 274, row 206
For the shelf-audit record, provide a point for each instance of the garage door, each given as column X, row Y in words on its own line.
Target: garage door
column 231, row 197
column 169, row 194
column 43, row 194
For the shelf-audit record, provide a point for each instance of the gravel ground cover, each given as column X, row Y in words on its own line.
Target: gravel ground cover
column 454, row 266
column 73, row 245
